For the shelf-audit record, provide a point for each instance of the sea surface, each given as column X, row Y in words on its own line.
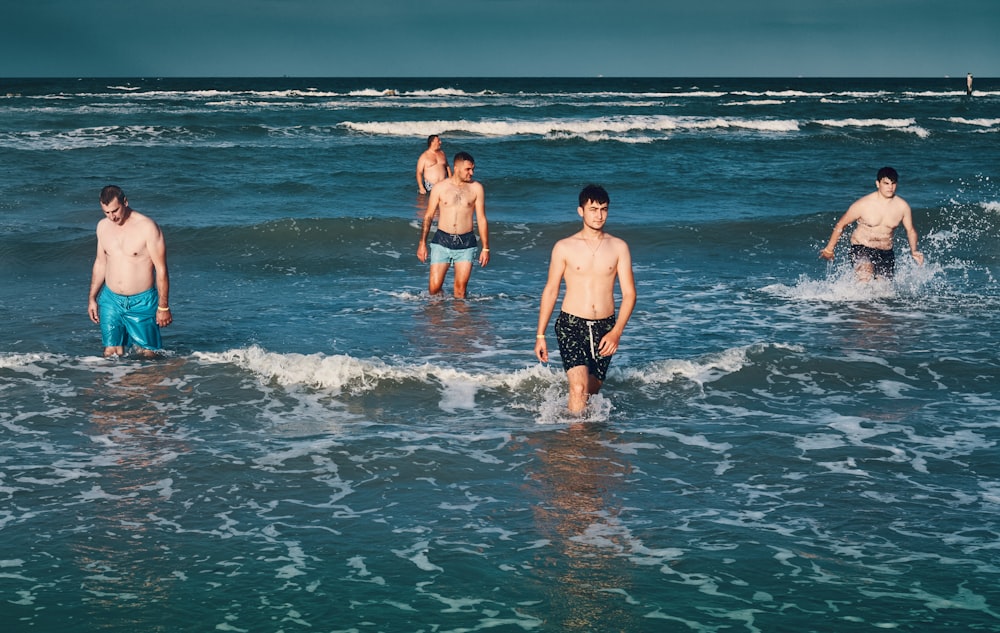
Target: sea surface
column 325, row 447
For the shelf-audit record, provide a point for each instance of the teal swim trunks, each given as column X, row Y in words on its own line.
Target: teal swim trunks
column 452, row 249
column 129, row 320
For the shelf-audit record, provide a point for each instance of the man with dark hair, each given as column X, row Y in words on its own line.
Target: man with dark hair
column 432, row 166
column 129, row 286
column 877, row 214
column 457, row 200
column 587, row 330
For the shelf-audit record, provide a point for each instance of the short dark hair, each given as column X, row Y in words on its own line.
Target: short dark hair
column 430, row 139
column 594, row 193
column 887, row 172
column 464, row 157
column 112, row 192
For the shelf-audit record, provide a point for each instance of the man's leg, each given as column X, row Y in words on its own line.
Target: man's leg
column 436, row 280
column 582, row 384
column 463, row 271
column 864, row 271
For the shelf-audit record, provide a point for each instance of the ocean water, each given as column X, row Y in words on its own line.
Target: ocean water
column 324, row 447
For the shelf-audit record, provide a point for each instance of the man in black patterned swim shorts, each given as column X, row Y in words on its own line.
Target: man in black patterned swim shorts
column 587, row 329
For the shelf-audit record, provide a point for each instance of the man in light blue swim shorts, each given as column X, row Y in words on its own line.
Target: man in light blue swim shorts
column 128, row 321
column 459, row 203
column 129, row 286
column 453, row 249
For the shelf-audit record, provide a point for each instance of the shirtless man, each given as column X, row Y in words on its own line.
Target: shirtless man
column 432, row 166
column 586, row 328
column 457, row 199
column 129, row 287
column 877, row 214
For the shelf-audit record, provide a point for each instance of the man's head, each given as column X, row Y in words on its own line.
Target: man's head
column 432, row 138
column 114, row 205
column 464, row 167
column 594, row 193
column 111, row 193
column 887, row 172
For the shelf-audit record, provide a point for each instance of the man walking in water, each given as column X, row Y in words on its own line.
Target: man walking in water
column 457, row 200
column 877, row 214
column 586, row 329
column 432, row 166
column 129, row 286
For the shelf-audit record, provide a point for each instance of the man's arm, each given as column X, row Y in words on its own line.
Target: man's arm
column 911, row 235
column 157, row 248
column 420, row 171
column 432, row 204
column 626, row 283
column 852, row 215
column 484, row 231
column 557, row 267
column 97, row 280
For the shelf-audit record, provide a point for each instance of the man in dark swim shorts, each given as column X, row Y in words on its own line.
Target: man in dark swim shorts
column 877, row 215
column 590, row 262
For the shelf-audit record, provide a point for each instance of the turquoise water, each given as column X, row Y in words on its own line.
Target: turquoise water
column 326, row 448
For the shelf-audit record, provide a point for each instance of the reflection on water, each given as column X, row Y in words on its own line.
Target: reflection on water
column 131, row 491
column 584, row 572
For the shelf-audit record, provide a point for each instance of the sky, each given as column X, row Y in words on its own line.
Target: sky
column 491, row 38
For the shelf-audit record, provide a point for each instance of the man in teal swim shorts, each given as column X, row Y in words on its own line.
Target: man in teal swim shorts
column 457, row 201
column 129, row 286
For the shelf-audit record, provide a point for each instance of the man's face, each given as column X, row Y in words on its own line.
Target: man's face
column 116, row 210
column 886, row 187
column 594, row 214
column 464, row 170
column 436, row 144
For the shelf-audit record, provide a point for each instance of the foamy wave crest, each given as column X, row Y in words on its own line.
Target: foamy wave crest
column 336, row 373
column 342, row 373
column 707, row 369
column 597, row 128
column 93, row 137
column 986, row 123
column 28, row 363
column 904, row 125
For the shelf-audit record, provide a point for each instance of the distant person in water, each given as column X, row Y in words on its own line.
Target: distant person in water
column 968, row 84
column 587, row 330
column 877, row 215
column 458, row 201
column 129, row 285
column 432, row 166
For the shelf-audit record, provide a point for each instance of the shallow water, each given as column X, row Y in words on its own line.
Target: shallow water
column 325, row 447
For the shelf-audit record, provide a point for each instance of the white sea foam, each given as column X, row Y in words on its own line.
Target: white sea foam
column 595, row 128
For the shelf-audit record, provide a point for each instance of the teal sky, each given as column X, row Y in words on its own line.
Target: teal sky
column 390, row 38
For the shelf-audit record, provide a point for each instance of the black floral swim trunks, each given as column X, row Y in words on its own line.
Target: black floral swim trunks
column 578, row 342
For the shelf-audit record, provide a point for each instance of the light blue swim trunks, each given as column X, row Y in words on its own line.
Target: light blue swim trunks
column 129, row 320
column 447, row 248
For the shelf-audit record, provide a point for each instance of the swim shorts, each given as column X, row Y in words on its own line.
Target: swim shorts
column 129, row 320
column 447, row 248
column 428, row 186
column 578, row 341
column 883, row 261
